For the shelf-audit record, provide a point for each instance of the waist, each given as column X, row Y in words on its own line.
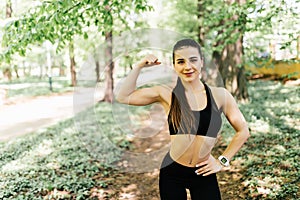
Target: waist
column 189, row 150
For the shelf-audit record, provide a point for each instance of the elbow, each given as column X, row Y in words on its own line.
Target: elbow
column 120, row 99
column 246, row 132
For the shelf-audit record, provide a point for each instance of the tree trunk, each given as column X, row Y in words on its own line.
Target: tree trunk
column 97, row 71
column 8, row 9
column 230, row 65
column 109, row 82
column 7, row 74
column 7, row 71
column 231, row 70
column 201, row 31
column 72, row 64
column 16, row 71
column 41, row 71
column 201, row 34
column 298, row 47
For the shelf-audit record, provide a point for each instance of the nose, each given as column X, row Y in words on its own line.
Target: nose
column 188, row 66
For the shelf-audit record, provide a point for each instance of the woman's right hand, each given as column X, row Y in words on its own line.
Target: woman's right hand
column 148, row 61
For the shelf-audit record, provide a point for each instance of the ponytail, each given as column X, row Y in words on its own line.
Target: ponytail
column 181, row 116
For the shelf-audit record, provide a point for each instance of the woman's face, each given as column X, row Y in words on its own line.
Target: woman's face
column 188, row 64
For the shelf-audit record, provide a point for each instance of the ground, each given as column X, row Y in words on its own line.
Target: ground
column 124, row 185
column 145, row 185
column 133, row 186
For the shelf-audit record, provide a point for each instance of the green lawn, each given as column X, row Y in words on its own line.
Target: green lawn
column 74, row 156
column 34, row 86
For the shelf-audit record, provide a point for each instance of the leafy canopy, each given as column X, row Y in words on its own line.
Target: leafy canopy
column 59, row 20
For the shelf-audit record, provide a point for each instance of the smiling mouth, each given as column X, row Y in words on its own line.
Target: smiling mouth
column 188, row 74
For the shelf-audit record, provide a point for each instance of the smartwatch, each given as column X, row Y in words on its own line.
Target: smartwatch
column 224, row 161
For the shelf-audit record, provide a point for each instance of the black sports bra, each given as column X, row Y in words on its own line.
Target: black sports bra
column 209, row 119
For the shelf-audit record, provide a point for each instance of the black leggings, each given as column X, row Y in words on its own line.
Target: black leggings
column 175, row 178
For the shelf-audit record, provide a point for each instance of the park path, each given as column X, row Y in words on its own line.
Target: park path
column 32, row 114
column 22, row 116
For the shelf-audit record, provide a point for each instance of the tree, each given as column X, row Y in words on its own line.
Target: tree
column 108, row 94
column 72, row 62
column 223, row 26
column 8, row 14
column 8, row 9
column 60, row 20
column 230, row 60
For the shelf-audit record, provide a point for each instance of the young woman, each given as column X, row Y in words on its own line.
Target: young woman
column 194, row 115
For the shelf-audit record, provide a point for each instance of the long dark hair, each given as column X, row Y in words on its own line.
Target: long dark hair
column 180, row 114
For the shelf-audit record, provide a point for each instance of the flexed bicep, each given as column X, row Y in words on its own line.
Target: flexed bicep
column 141, row 97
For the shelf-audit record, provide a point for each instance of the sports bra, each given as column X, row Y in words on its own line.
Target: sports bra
column 209, row 119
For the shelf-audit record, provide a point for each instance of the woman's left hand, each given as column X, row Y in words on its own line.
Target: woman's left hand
column 210, row 166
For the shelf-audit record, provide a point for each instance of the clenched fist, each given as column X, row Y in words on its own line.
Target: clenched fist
column 148, row 61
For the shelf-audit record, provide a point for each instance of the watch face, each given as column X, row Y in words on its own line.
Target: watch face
column 223, row 160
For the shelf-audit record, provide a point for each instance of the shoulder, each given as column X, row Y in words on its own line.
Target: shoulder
column 221, row 96
column 218, row 92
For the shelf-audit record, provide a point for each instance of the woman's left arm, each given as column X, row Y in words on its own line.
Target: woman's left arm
column 238, row 122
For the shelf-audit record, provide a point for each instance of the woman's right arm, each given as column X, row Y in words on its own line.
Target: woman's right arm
column 128, row 94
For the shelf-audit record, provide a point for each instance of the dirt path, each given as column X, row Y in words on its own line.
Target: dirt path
column 24, row 115
column 32, row 114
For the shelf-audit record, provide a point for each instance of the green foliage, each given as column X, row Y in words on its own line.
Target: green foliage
column 58, row 163
column 222, row 23
column 271, row 155
column 60, row 20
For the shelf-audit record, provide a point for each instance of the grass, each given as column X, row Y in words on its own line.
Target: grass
column 34, row 86
column 271, row 156
column 68, row 160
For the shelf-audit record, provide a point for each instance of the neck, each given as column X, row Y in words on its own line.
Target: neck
column 194, row 86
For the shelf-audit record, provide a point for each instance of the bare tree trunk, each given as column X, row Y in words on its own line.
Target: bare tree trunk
column 16, row 71
column 201, row 34
column 8, row 9
column 201, row 10
column 97, row 71
column 232, row 72
column 7, row 74
column 72, row 64
column 298, row 47
column 109, row 82
column 41, row 71
column 7, row 71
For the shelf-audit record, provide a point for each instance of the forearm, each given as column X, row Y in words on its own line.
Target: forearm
column 236, row 143
column 129, row 84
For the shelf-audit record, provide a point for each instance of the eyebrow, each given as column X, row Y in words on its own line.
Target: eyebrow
column 181, row 59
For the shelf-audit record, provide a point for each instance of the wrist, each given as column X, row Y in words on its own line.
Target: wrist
column 138, row 65
column 224, row 161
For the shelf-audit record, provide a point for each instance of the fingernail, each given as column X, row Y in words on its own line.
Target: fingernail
column 197, row 165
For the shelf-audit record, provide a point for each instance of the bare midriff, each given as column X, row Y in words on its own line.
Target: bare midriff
column 189, row 150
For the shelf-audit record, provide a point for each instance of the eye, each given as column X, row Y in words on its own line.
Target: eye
column 194, row 60
column 180, row 62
